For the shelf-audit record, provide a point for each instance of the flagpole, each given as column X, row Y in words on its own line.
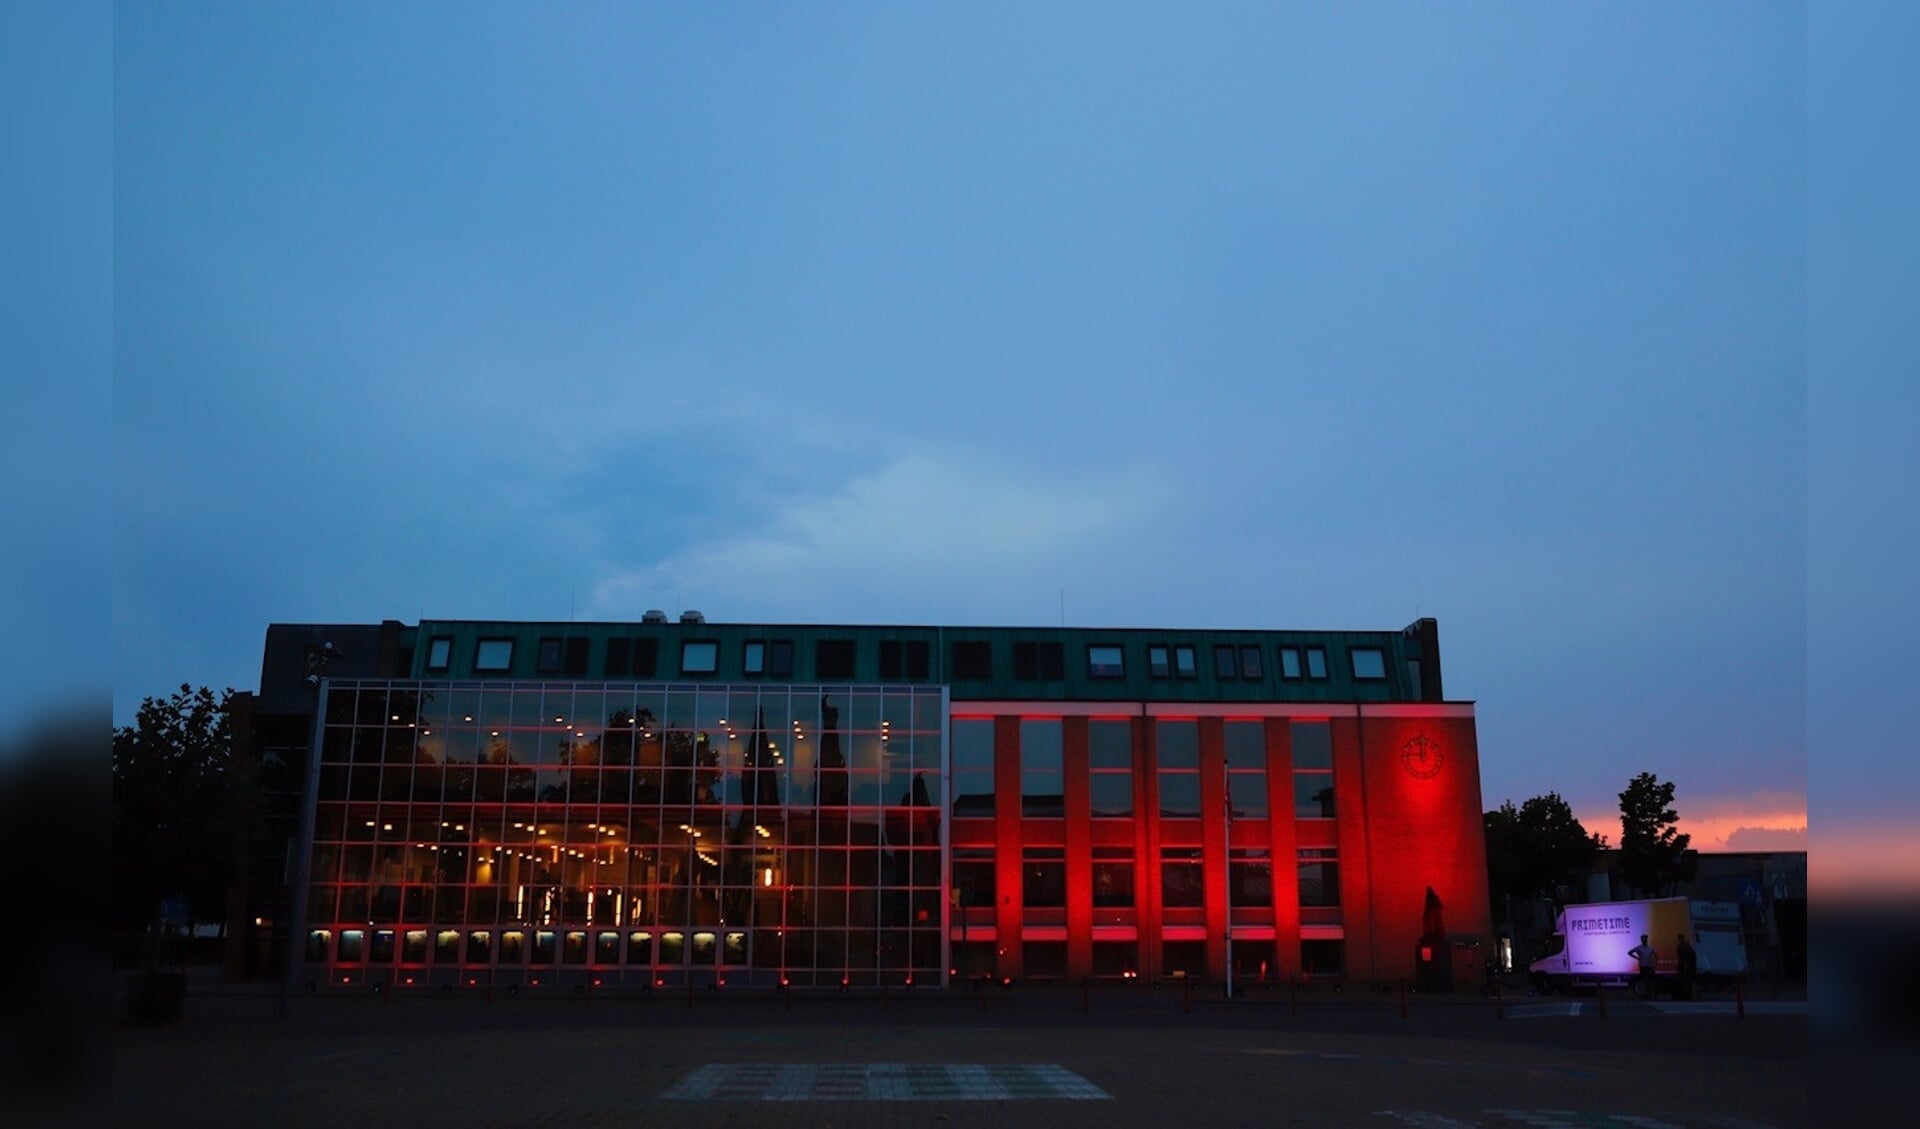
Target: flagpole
column 1227, row 829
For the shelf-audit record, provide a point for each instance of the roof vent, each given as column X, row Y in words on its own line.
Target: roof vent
column 654, row 615
column 692, row 617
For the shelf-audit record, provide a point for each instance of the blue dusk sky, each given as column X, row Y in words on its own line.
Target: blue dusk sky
column 1259, row 315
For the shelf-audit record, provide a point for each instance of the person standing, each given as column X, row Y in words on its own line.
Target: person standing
column 1689, row 968
column 1648, row 958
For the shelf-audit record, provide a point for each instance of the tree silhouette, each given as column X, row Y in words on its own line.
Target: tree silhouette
column 1537, row 849
column 1654, row 857
column 182, row 817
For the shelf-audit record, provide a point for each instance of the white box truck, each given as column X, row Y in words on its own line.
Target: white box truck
column 1592, row 945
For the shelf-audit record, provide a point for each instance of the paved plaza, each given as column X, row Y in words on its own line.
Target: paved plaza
column 1027, row 1057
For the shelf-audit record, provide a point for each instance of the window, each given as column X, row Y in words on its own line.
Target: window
column 1225, row 664
column 1246, row 743
column 1178, row 752
column 1043, row 960
column 1040, row 662
column 833, row 658
column 1319, row 877
column 972, row 661
column 1316, row 662
column 780, row 658
column 1250, row 879
column 1157, row 664
column 1043, row 877
column 1110, row 765
column 699, row 656
column 1112, row 878
column 1183, row 662
column 1312, row 770
column 973, row 876
column 1289, row 662
column 1182, row 878
column 972, row 757
column 1368, row 662
column 1414, row 688
column 646, row 657
column 1322, row 958
column 547, row 658
column 1041, row 789
column 1250, row 666
column 619, row 658
column 1105, row 661
column 493, row 656
column 904, row 661
column 576, row 659
column 439, row 653
column 753, row 658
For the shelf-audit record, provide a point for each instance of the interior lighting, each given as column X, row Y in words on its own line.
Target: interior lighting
column 469, row 717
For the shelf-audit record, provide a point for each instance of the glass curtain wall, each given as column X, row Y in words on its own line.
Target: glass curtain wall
column 650, row 834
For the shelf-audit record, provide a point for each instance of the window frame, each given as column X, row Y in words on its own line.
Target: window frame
column 1226, row 662
column 1116, row 669
column 1292, row 667
column 1162, row 666
column 1190, row 668
column 713, row 651
column 1380, row 659
column 1255, row 670
column 443, row 646
column 547, row 657
column 1316, row 657
column 480, row 647
column 753, row 658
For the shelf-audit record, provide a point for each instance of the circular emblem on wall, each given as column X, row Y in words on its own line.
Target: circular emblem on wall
column 1422, row 757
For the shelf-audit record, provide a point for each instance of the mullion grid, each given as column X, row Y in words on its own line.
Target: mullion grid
column 548, row 880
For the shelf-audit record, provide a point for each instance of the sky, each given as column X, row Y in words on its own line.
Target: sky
column 1256, row 315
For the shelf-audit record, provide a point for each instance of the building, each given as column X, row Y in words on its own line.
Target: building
column 676, row 802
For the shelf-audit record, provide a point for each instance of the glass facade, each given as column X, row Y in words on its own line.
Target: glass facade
column 637, row 833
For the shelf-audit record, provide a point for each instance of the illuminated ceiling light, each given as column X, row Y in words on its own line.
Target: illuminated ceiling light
column 396, row 717
column 469, row 717
column 370, row 823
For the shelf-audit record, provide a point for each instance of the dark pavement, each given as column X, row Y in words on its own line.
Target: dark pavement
column 1159, row 1056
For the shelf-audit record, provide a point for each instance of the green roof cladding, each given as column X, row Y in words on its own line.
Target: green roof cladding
column 1408, row 666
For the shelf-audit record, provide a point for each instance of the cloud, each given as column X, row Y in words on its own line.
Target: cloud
column 1767, row 839
column 925, row 534
column 1728, row 821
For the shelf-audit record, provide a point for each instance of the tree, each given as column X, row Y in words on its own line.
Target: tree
column 182, row 818
column 1536, row 849
column 1654, row 857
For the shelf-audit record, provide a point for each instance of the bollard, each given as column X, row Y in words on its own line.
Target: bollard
column 1739, row 999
